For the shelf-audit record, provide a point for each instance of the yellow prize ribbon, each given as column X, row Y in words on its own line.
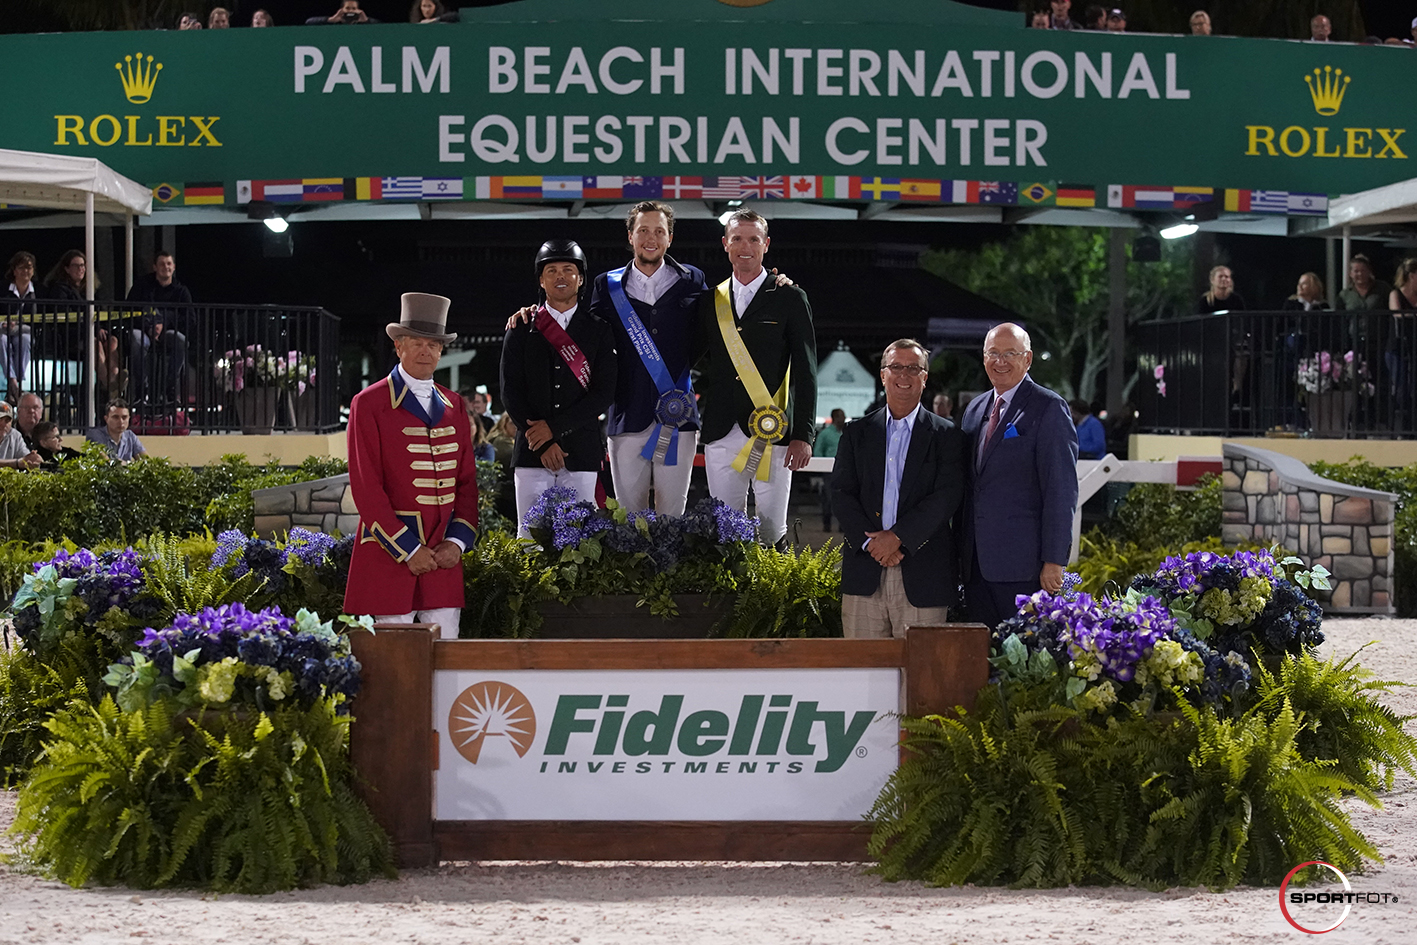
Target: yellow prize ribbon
column 756, row 455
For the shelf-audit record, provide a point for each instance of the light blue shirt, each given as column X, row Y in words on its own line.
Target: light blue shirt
column 897, row 447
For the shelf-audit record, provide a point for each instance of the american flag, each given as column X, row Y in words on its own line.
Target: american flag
column 721, row 188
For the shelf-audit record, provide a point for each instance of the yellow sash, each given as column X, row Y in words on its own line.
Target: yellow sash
column 770, row 410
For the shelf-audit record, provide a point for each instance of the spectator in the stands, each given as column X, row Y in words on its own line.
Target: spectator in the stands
column 262, row 18
column 122, row 443
column 1095, row 18
column 1116, row 21
column 348, row 12
column 427, row 11
column 1320, row 29
column 943, row 406
column 1403, row 297
column 1092, row 437
column 1040, row 20
column 1221, row 297
column 1414, row 30
column 50, row 447
column 1308, row 296
column 28, row 416
column 481, row 403
column 189, row 21
column 219, row 19
column 1365, row 291
column 482, row 449
column 826, row 443
column 161, row 327
column 67, row 282
column 18, row 299
column 1060, row 20
column 14, row 454
column 503, row 438
column 1200, row 23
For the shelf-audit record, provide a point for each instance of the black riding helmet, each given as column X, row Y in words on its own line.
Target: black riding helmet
column 560, row 251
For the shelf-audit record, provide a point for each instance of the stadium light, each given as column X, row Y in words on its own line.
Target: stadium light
column 1178, row 231
column 276, row 224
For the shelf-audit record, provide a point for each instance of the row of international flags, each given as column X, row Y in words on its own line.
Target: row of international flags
column 771, row 187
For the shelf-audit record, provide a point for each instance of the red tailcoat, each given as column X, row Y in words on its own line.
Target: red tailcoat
column 414, row 481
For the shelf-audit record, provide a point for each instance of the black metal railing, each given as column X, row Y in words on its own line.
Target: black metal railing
column 182, row 367
column 1326, row 374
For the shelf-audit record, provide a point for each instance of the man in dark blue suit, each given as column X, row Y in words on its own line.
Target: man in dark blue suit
column 1018, row 521
column 899, row 478
column 653, row 305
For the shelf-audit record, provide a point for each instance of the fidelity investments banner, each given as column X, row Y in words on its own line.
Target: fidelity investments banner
column 595, row 107
column 806, row 744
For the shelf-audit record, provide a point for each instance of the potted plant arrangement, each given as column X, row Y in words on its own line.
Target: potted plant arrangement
column 257, row 378
column 1188, row 714
column 1332, row 383
column 621, row 573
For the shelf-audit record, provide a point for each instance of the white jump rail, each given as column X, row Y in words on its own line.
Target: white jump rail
column 1093, row 474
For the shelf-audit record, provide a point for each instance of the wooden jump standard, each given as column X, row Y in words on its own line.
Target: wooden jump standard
column 395, row 746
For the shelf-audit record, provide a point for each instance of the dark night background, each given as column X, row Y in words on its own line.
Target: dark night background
column 358, row 270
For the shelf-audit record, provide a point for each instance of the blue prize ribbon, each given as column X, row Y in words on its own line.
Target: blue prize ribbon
column 672, row 396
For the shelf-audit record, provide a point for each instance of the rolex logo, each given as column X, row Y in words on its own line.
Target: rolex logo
column 1326, row 87
column 138, row 77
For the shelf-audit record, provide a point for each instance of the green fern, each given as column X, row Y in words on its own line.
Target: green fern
column 225, row 801
column 1011, row 794
column 32, row 689
column 787, row 593
column 183, row 585
column 1343, row 721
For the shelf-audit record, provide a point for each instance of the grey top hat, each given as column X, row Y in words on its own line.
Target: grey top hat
column 422, row 316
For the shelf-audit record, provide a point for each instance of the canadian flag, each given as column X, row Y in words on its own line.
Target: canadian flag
column 803, row 188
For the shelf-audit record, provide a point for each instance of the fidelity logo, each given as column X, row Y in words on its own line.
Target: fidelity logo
column 587, row 730
column 1327, row 87
column 491, row 709
column 1325, row 902
column 137, row 75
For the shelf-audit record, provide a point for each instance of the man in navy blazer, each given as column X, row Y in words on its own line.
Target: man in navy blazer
column 663, row 295
column 899, row 478
column 1018, row 521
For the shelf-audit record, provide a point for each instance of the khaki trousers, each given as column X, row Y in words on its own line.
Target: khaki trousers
column 887, row 612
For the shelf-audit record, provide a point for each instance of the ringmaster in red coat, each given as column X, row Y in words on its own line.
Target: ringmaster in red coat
column 414, row 481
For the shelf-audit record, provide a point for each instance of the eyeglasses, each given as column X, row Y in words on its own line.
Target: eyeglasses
column 911, row 370
column 1006, row 356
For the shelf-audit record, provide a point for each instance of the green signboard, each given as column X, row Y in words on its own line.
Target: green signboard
column 787, row 99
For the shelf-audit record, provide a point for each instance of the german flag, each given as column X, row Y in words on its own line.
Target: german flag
column 1076, row 195
column 203, row 193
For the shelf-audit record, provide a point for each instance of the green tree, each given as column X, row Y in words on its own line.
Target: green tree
column 1056, row 279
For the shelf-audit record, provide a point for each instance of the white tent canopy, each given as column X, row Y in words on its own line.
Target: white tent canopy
column 1394, row 203
column 62, row 182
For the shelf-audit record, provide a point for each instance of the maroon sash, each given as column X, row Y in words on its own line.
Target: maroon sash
column 561, row 340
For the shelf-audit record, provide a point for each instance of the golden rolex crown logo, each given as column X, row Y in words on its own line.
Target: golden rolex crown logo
column 138, row 77
column 1326, row 87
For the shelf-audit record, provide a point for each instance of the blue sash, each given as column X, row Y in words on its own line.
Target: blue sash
column 676, row 401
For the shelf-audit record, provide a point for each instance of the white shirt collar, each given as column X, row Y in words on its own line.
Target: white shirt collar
column 1008, row 396
column 29, row 293
column 563, row 318
column 423, row 390
column 908, row 419
column 743, row 294
column 649, row 289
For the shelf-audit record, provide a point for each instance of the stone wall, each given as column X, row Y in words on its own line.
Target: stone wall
column 321, row 505
column 1272, row 498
